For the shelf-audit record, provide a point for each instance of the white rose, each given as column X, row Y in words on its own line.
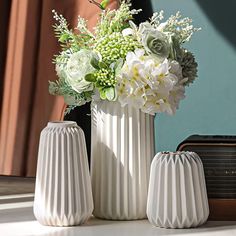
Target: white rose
column 77, row 67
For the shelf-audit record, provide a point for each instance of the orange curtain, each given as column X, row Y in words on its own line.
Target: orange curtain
column 26, row 104
column 5, row 6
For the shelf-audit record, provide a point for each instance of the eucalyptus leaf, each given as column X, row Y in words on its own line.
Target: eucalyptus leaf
column 90, row 78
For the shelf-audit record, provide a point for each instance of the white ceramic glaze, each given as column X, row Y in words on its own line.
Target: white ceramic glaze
column 122, row 150
column 177, row 196
column 63, row 193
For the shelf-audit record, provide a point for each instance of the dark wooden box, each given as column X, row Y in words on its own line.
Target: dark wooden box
column 218, row 155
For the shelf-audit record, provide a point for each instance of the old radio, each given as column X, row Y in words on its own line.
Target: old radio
column 218, row 155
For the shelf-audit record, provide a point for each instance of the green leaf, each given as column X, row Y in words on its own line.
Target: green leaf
column 90, row 78
column 97, row 85
column 110, row 93
column 102, row 65
column 63, row 38
column 104, row 4
column 102, row 94
column 118, row 65
column 95, row 63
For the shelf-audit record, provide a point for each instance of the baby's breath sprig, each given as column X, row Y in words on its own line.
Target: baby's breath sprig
column 181, row 28
column 65, row 36
column 69, row 39
column 115, row 20
column 156, row 18
column 82, row 27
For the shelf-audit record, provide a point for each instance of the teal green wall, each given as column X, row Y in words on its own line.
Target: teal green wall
column 210, row 103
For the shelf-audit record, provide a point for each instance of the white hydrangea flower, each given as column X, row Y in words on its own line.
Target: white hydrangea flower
column 150, row 85
column 176, row 95
column 176, row 69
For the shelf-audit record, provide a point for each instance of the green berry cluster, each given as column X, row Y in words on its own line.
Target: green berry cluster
column 105, row 77
column 115, row 46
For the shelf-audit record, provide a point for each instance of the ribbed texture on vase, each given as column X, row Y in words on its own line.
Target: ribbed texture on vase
column 122, row 151
column 63, row 193
column 177, row 196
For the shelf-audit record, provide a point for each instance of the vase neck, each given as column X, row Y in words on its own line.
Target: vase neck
column 61, row 124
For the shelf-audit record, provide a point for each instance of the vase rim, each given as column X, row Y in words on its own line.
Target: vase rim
column 61, row 124
column 175, row 153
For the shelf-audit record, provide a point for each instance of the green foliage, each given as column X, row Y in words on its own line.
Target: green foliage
column 61, row 88
column 70, row 41
column 189, row 65
column 95, row 63
column 115, row 20
column 90, row 78
column 104, row 78
column 69, row 108
column 89, row 63
column 104, row 4
column 66, row 37
column 118, row 65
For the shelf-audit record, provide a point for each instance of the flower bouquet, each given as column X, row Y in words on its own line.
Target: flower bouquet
column 144, row 66
column 129, row 72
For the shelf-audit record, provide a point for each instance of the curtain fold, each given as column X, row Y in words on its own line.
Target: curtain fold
column 18, row 84
column 5, row 6
column 26, row 105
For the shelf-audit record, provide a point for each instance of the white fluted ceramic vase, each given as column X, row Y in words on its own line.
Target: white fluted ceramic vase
column 122, row 150
column 63, row 193
column 177, row 196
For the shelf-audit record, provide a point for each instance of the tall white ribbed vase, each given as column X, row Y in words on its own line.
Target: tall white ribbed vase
column 63, row 193
column 121, row 154
column 177, row 196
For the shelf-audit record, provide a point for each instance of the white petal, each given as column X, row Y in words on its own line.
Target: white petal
column 139, row 52
column 127, row 31
column 162, row 26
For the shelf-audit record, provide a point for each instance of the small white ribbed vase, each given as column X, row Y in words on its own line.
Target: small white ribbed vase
column 63, row 193
column 122, row 150
column 177, row 196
